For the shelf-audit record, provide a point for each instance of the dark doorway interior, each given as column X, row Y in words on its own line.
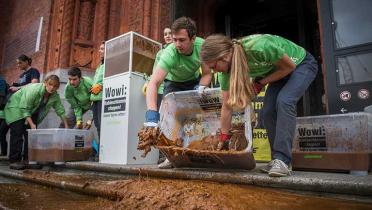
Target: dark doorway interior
column 296, row 20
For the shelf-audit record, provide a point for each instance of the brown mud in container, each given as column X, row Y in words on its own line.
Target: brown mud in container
column 58, row 154
column 77, row 154
column 145, row 193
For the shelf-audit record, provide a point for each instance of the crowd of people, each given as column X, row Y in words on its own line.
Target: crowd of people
column 186, row 62
column 25, row 104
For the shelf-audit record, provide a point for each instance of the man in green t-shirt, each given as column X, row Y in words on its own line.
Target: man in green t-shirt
column 178, row 67
column 77, row 94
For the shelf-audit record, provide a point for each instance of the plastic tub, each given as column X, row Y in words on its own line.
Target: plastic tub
column 188, row 116
column 58, row 145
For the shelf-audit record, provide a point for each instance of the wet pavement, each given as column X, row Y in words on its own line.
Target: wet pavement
column 151, row 193
column 146, row 186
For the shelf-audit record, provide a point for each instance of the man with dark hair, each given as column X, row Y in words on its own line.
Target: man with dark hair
column 77, row 93
column 178, row 67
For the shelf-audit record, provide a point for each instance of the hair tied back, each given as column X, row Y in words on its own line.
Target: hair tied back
column 235, row 41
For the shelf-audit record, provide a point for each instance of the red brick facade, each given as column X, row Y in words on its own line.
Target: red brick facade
column 72, row 30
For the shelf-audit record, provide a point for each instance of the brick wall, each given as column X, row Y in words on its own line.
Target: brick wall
column 20, row 20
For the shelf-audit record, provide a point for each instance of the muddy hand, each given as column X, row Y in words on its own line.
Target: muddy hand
column 148, row 137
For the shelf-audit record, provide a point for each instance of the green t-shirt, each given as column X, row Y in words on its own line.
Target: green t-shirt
column 181, row 68
column 158, row 55
column 262, row 52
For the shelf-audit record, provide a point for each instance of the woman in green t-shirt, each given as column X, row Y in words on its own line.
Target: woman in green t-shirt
column 25, row 109
column 267, row 59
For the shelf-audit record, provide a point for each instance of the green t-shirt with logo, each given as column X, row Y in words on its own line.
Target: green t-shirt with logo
column 181, row 68
column 262, row 52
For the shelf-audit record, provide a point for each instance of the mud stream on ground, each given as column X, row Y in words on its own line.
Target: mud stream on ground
column 149, row 193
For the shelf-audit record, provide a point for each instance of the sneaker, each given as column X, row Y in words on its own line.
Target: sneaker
column 17, row 166
column 165, row 165
column 279, row 169
column 267, row 167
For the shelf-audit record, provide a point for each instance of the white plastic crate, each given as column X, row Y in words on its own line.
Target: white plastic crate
column 58, row 145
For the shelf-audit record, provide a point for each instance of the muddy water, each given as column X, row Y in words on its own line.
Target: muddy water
column 28, row 196
column 147, row 193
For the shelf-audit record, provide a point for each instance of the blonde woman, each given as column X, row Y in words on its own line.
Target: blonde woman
column 267, row 59
column 25, row 109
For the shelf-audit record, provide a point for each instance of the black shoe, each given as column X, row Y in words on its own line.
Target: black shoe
column 17, row 166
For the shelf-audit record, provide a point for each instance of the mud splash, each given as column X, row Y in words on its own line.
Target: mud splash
column 146, row 193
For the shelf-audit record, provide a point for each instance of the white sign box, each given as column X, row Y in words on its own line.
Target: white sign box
column 127, row 58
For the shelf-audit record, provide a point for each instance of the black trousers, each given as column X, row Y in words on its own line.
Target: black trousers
column 97, row 109
column 4, row 128
column 19, row 139
column 171, row 86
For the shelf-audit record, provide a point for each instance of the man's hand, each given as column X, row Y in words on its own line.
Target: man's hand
column 224, row 142
column 79, row 124
column 148, row 135
column 96, row 89
column 88, row 124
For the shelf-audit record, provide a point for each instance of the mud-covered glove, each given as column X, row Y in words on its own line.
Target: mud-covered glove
column 257, row 87
column 148, row 135
column 201, row 90
column 88, row 124
column 96, row 89
column 224, row 142
column 79, row 124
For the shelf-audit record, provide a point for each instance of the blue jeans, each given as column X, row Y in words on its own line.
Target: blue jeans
column 280, row 104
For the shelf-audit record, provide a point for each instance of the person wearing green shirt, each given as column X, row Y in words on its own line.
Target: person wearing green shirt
column 178, row 67
column 96, row 90
column 267, row 59
column 25, row 109
column 168, row 40
column 77, row 94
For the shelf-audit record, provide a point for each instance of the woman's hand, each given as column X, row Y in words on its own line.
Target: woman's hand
column 31, row 123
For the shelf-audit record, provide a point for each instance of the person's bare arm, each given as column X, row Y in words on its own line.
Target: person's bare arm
column 226, row 113
column 283, row 67
column 206, row 76
column 31, row 123
column 152, row 88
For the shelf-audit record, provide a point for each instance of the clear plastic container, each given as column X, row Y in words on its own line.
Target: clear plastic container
column 191, row 117
column 58, row 145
